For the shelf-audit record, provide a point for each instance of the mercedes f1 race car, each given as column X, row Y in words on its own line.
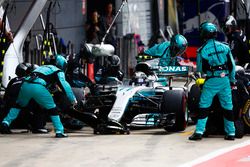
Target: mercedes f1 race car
column 149, row 99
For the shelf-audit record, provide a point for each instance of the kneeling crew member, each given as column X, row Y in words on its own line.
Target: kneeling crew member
column 36, row 86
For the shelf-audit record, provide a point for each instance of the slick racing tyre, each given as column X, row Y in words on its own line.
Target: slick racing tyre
column 193, row 102
column 174, row 110
column 239, row 128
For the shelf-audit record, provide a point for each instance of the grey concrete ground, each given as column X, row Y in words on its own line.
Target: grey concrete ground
column 142, row 148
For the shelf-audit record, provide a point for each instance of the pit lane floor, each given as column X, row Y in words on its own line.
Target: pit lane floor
column 142, row 148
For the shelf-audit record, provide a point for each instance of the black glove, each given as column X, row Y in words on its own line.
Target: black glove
column 233, row 85
column 74, row 105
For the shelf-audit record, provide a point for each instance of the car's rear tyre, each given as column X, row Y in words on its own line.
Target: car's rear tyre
column 193, row 102
column 174, row 104
column 239, row 128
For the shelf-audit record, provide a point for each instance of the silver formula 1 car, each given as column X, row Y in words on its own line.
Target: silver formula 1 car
column 149, row 99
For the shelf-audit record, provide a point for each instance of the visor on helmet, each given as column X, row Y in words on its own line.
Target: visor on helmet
column 178, row 45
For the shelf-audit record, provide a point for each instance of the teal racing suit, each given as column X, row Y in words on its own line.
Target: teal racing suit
column 162, row 51
column 216, row 61
column 36, row 86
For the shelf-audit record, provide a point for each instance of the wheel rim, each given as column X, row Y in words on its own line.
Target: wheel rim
column 246, row 113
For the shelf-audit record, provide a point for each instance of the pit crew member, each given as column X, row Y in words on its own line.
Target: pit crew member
column 168, row 51
column 216, row 61
column 237, row 41
column 36, row 86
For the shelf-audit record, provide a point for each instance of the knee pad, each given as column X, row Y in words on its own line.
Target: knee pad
column 228, row 114
column 203, row 113
column 53, row 111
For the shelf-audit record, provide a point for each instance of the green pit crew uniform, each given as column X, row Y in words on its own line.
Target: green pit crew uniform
column 215, row 60
column 162, row 51
column 36, row 86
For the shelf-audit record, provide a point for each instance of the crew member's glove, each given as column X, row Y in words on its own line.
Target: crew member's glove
column 233, row 85
column 200, row 81
column 74, row 105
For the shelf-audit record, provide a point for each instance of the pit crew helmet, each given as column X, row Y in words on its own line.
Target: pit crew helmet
column 114, row 61
column 230, row 22
column 178, row 45
column 208, row 31
column 34, row 66
column 61, row 62
column 239, row 70
column 23, row 69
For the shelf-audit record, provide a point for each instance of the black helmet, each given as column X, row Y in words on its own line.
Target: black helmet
column 23, row 69
column 178, row 45
column 114, row 60
column 208, row 31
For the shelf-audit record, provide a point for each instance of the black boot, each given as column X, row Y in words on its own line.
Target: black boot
column 195, row 136
column 61, row 135
column 229, row 137
column 205, row 134
column 4, row 129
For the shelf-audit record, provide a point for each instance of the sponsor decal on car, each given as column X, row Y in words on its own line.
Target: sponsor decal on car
column 173, row 69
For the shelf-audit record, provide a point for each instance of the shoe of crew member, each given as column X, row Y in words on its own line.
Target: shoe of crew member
column 195, row 136
column 5, row 129
column 61, row 135
column 229, row 137
column 59, row 129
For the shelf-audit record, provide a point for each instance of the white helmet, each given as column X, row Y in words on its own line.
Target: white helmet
column 239, row 70
column 230, row 21
column 139, row 78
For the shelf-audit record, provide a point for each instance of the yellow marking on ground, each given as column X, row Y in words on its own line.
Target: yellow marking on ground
column 187, row 133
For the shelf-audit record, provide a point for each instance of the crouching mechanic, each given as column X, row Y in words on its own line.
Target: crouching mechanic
column 31, row 117
column 168, row 51
column 36, row 86
column 216, row 61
